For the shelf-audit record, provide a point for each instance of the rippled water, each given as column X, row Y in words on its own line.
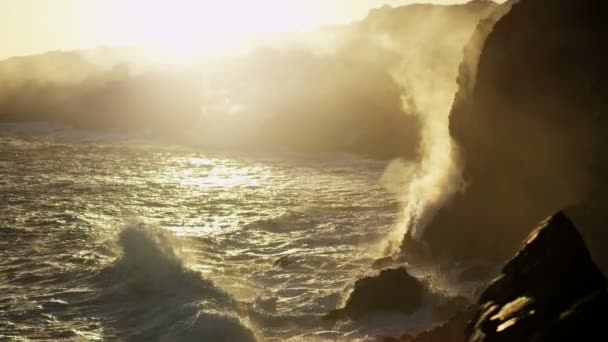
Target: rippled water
column 75, row 262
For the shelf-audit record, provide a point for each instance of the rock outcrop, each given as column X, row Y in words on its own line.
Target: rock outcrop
column 528, row 122
column 550, row 291
column 393, row 290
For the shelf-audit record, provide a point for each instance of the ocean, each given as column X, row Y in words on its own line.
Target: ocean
column 113, row 237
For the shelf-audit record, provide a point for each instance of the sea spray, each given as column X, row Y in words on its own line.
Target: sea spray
column 422, row 189
column 429, row 77
column 426, row 185
column 427, row 74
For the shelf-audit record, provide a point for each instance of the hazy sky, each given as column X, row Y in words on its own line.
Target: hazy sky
column 33, row 26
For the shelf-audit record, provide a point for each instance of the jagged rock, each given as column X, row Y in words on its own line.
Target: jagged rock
column 550, row 288
column 528, row 120
column 392, row 290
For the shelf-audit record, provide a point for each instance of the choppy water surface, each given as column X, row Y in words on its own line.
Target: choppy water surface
column 76, row 262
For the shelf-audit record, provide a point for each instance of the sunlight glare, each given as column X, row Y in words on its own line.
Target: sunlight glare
column 182, row 30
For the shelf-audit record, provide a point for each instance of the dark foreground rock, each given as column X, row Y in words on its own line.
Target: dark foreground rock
column 393, row 290
column 550, row 290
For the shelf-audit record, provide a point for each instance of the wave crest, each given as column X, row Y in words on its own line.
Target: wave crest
column 150, row 286
column 152, row 262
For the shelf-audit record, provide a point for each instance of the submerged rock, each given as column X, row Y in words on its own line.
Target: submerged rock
column 550, row 289
column 283, row 261
column 393, row 290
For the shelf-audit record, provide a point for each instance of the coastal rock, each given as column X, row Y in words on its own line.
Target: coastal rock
column 549, row 290
column 393, row 290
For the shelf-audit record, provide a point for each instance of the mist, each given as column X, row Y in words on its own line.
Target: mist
column 382, row 88
column 371, row 88
column 427, row 73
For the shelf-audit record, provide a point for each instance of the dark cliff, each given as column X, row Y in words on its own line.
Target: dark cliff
column 528, row 120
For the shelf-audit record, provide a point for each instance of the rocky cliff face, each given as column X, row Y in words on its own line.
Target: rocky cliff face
column 528, row 120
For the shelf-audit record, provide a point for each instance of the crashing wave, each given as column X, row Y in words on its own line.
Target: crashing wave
column 150, row 287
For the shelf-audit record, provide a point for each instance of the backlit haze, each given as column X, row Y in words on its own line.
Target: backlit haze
column 231, row 170
column 175, row 29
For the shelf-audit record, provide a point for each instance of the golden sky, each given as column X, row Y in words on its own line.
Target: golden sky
column 34, row 26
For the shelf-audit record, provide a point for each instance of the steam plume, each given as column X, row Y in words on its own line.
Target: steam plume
column 427, row 75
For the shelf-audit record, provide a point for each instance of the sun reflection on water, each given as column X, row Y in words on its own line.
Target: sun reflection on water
column 210, row 173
